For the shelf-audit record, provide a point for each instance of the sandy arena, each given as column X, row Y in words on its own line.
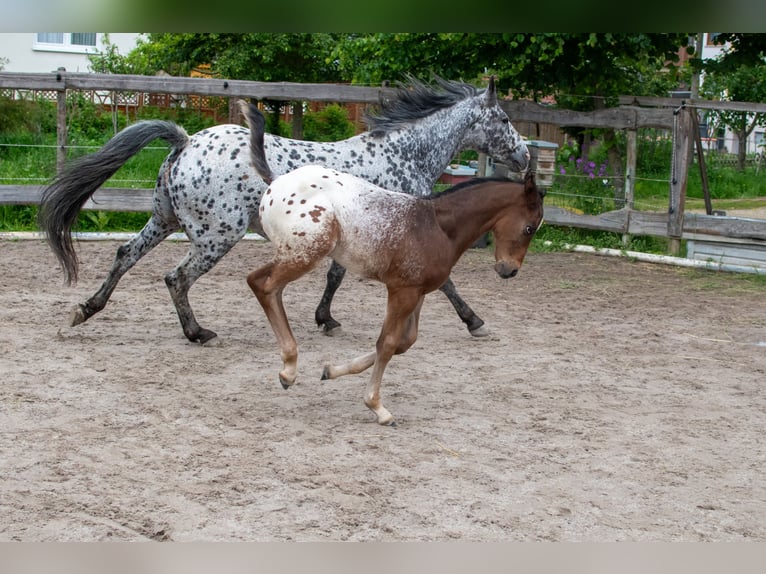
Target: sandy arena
column 613, row 401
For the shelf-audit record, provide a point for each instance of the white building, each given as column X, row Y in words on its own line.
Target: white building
column 29, row 52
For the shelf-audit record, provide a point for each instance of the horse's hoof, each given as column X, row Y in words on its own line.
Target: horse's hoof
column 331, row 328
column 214, row 342
column 325, row 373
column 284, row 386
column 285, row 383
column 77, row 316
column 205, row 336
column 480, row 331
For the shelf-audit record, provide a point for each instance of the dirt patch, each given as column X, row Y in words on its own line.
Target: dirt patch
column 613, row 401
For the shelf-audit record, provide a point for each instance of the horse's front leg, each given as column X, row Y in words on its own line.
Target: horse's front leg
column 268, row 287
column 398, row 334
column 472, row 321
column 364, row 362
column 322, row 315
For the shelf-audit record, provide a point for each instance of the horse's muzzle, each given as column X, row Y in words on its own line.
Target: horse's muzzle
column 506, row 270
column 520, row 159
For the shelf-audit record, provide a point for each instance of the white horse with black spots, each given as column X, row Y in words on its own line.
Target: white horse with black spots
column 207, row 187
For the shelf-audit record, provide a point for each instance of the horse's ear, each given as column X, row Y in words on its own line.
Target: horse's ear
column 490, row 96
column 529, row 181
column 530, row 184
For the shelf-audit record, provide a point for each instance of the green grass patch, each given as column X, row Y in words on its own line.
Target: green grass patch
column 728, row 283
column 554, row 238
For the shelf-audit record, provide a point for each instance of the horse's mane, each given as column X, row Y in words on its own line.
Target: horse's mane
column 470, row 183
column 415, row 100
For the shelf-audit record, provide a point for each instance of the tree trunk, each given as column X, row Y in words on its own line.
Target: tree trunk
column 297, row 133
column 742, row 150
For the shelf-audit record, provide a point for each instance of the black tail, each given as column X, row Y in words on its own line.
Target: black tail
column 63, row 199
column 257, row 123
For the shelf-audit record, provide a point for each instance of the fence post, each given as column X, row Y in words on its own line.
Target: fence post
column 701, row 163
column 630, row 176
column 682, row 153
column 60, row 131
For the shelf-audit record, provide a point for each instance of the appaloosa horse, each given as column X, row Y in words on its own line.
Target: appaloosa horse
column 207, row 187
column 408, row 243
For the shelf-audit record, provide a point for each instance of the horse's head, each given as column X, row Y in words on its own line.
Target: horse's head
column 516, row 226
column 494, row 134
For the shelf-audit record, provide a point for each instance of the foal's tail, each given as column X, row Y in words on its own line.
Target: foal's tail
column 257, row 123
column 63, row 199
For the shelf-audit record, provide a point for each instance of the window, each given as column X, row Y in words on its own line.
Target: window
column 710, row 38
column 79, row 42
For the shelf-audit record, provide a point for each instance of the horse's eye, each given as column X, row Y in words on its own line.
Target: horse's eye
column 506, row 120
column 529, row 230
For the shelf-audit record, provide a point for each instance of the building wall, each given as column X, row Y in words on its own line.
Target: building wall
column 25, row 55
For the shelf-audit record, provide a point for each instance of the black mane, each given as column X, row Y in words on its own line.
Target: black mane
column 478, row 180
column 470, row 183
column 415, row 100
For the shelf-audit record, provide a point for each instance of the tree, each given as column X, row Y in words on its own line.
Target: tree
column 532, row 65
column 581, row 71
column 372, row 59
column 745, row 83
column 265, row 57
column 746, row 49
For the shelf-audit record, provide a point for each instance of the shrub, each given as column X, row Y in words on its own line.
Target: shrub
column 327, row 125
column 27, row 118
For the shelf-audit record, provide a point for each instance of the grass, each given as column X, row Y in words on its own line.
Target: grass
column 26, row 159
column 729, row 283
column 554, row 238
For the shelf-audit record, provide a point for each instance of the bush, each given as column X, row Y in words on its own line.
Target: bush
column 330, row 124
column 26, row 118
column 87, row 123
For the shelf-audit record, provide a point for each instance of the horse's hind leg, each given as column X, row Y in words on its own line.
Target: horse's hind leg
column 128, row 254
column 202, row 257
column 268, row 283
column 322, row 315
column 472, row 321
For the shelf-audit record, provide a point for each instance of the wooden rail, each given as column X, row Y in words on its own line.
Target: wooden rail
column 624, row 221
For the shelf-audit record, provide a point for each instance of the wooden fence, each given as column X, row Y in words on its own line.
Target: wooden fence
column 632, row 114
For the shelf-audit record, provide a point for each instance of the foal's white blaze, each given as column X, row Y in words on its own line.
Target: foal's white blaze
column 298, row 211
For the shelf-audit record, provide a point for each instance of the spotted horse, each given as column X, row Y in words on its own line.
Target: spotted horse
column 207, row 187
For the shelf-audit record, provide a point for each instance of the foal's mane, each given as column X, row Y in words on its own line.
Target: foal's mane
column 470, row 183
column 415, row 100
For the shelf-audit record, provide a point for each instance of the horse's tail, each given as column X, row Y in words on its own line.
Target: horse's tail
column 257, row 124
column 63, row 199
